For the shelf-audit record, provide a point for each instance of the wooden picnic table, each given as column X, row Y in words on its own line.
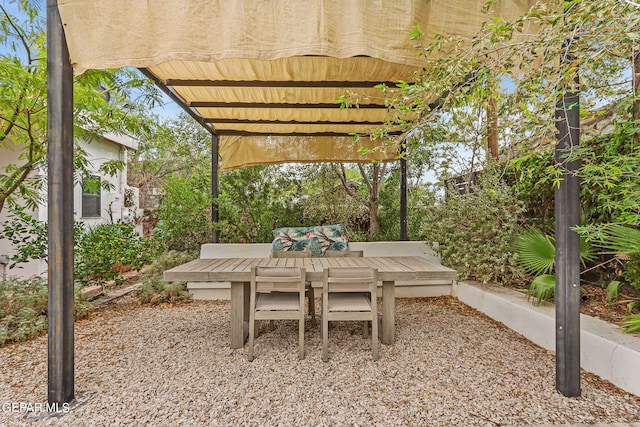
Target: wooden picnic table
column 238, row 272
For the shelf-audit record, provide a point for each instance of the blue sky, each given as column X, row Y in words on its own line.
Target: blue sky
column 167, row 109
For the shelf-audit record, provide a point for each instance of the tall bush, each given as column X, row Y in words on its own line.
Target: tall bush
column 184, row 216
column 474, row 231
column 103, row 251
column 609, row 191
column 610, row 183
column 255, row 200
column 532, row 180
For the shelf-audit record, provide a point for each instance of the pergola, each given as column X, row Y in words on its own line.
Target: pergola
column 262, row 78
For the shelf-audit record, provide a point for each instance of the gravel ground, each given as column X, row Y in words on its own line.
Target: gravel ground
column 169, row 366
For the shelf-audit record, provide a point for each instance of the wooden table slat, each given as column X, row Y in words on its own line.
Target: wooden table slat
column 237, row 269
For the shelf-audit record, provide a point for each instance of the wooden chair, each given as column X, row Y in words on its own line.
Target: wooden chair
column 349, row 293
column 306, row 253
column 277, row 293
column 349, row 254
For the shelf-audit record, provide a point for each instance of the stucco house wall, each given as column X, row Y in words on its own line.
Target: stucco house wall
column 120, row 203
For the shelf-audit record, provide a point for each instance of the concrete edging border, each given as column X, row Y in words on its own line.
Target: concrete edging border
column 605, row 350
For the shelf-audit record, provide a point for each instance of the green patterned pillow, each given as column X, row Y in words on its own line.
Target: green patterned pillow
column 328, row 237
column 318, row 239
column 290, row 239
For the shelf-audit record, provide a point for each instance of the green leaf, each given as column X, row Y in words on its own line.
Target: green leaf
column 542, row 288
column 613, row 291
column 536, row 252
column 631, row 323
column 620, row 239
column 416, row 33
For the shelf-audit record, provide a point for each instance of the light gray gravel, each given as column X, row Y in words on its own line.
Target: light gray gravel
column 169, row 366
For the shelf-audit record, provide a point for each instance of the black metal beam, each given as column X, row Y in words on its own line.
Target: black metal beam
column 285, row 122
column 215, row 177
column 177, row 99
column 275, row 84
column 567, row 215
column 60, row 212
column 403, row 191
column 277, row 105
column 275, row 133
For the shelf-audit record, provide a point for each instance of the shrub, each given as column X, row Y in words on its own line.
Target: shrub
column 255, row 200
column 104, row 250
column 631, row 323
column 28, row 235
column 610, row 186
column 184, row 217
column 154, row 289
column 532, row 178
column 23, row 308
column 621, row 241
column 474, row 231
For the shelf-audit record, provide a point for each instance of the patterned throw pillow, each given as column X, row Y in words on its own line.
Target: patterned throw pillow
column 318, row 239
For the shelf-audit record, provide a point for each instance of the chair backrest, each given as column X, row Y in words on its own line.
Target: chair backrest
column 292, row 254
column 349, row 254
column 278, row 279
column 351, row 279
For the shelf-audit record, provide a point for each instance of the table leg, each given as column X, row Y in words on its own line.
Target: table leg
column 245, row 319
column 388, row 312
column 239, row 310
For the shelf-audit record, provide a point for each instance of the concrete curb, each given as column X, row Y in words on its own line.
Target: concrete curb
column 605, row 350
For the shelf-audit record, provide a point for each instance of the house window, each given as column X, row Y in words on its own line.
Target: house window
column 91, row 197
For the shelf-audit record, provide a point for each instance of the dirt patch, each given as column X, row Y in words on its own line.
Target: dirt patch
column 594, row 303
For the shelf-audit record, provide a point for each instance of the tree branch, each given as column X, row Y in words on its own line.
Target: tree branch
column 342, row 174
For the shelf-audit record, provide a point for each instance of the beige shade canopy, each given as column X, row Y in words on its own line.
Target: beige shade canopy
column 264, row 75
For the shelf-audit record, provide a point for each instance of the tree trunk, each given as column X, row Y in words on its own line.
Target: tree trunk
column 374, row 221
column 492, row 128
column 374, row 184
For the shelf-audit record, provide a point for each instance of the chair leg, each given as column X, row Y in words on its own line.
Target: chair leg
column 301, row 335
column 374, row 339
column 312, row 307
column 325, row 330
column 252, row 333
column 365, row 329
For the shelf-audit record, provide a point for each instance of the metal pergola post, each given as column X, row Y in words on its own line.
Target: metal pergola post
column 567, row 215
column 215, row 177
column 60, row 211
column 403, row 191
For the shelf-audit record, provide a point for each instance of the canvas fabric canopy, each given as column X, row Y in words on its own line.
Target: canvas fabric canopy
column 264, row 75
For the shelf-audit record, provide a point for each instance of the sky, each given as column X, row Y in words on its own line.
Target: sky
column 167, row 108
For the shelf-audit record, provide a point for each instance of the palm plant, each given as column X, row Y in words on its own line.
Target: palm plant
column 537, row 256
column 621, row 240
column 536, row 252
